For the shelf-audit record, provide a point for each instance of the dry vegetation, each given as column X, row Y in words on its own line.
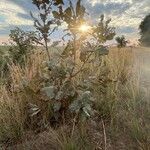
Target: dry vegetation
column 81, row 96
column 121, row 120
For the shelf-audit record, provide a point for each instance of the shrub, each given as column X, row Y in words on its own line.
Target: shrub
column 121, row 41
column 62, row 90
column 22, row 44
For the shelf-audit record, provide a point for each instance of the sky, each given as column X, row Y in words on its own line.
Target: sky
column 126, row 15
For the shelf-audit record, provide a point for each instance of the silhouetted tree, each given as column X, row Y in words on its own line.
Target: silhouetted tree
column 145, row 31
column 121, row 41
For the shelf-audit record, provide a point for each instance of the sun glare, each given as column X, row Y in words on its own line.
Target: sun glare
column 84, row 28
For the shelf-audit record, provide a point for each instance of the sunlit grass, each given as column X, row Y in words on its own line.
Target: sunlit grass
column 121, row 106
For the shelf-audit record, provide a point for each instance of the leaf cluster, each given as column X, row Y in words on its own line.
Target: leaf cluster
column 61, row 89
column 103, row 32
column 73, row 16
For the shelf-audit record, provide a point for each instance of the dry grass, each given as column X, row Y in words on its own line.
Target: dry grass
column 120, row 63
column 32, row 69
column 11, row 116
column 123, row 108
column 13, row 98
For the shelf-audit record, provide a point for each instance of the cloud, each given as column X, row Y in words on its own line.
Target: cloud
column 10, row 10
column 107, row 8
column 126, row 14
column 25, row 5
column 106, row 2
column 12, row 15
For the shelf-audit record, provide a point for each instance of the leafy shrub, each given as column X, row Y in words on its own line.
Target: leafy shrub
column 61, row 88
column 22, row 44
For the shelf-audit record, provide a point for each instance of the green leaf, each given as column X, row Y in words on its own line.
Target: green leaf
column 49, row 91
column 80, row 10
column 75, row 106
column 86, row 96
column 59, row 71
column 55, row 43
column 58, row 2
column 56, row 14
column 43, row 17
column 68, row 89
column 69, row 64
column 102, row 17
column 78, row 6
column 68, row 12
column 59, row 95
column 82, row 104
column 102, row 50
column 87, row 110
column 57, row 106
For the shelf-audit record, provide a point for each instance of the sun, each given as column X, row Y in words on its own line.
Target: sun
column 84, row 28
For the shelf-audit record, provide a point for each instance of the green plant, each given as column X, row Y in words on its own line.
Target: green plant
column 103, row 32
column 22, row 45
column 45, row 25
column 121, row 41
column 62, row 87
column 62, row 91
column 145, row 31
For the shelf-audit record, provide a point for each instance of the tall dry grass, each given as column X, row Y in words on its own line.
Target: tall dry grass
column 11, row 116
column 13, row 98
column 120, row 63
column 122, row 106
column 131, row 107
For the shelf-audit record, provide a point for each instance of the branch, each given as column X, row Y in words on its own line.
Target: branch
column 81, row 68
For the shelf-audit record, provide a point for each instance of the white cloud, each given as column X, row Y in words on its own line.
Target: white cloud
column 124, row 13
column 132, row 16
column 9, row 11
column 125, row 19
column 94, row 2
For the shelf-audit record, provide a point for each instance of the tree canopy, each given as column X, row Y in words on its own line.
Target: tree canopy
column 121, row 41
column 145, row 31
